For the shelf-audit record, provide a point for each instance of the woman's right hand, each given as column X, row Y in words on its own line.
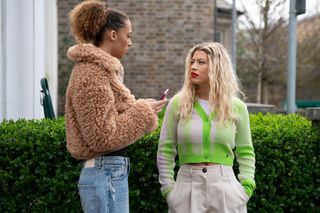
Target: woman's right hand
column 156, row 105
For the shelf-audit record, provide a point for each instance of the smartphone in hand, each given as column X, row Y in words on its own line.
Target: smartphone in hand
column 164, row 95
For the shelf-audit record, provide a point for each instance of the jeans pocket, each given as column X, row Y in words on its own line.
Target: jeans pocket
column 87, row 197
column 119, row 172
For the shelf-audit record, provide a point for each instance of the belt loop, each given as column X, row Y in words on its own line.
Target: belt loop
column 191, row 169
column 97, row 162
column 126, row 162
column 222, row 170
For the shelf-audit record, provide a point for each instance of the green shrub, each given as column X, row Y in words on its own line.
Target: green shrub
column 144, row 186
column 37, row 174
column 287, row 164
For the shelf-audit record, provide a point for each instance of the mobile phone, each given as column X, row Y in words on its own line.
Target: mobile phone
column 164, row 94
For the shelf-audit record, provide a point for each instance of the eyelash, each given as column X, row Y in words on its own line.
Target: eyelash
column 200, row 62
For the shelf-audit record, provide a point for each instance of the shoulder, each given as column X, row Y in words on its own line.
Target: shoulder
column 174, row 101
column 87, row 79
column 173, row 105
column 238, row 105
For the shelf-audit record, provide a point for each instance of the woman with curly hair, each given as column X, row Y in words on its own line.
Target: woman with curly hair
column 207, row 126
column 102, row 117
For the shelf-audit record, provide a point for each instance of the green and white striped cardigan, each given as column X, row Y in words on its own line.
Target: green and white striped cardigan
column 203, row 139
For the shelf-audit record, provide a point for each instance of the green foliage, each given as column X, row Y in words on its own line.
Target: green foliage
column 37, row 174
column 287, row 164
column 144, row 185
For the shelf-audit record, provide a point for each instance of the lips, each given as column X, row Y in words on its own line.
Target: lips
column 194, row 75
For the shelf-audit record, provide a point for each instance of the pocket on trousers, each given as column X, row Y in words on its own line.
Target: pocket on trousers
column 241, row 192
column 119, row 172
column 87, row 197
column 170, row 195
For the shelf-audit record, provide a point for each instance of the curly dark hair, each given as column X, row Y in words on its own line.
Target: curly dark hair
column 90, row 19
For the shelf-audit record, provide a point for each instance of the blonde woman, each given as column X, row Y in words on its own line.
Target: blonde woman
column 207, row 126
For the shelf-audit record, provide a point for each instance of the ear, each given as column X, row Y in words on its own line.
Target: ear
column 113, row 35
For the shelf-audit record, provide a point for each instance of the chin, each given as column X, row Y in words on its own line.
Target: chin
column 193, row 81
column 120, row 56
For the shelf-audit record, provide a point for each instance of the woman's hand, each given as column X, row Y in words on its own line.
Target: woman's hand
column 156, row 105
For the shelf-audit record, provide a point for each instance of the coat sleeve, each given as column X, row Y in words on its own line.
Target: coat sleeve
column 101, row 127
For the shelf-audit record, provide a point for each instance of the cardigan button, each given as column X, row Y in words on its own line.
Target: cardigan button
column 204, row 170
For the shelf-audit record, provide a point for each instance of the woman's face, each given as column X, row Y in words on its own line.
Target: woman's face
column 199, row 67
column 122, row 40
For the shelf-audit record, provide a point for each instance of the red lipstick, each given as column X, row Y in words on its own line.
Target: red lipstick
column 194, row 75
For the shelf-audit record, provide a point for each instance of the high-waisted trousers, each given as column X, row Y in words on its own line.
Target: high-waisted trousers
column 204, row 189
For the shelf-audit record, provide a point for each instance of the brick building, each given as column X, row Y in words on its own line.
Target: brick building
column 163, row 32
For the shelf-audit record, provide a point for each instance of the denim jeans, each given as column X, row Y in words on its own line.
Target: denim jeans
column 104, row 187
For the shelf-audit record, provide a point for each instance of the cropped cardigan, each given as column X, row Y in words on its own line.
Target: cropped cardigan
column 202, row 139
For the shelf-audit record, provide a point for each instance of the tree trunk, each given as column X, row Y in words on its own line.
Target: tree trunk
column 259, row 86
column 265, row 92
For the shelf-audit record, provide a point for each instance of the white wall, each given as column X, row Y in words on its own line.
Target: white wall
column 3, row 108
column 51, row 43
column 29, row 52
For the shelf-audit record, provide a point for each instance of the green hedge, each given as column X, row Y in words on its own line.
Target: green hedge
column 287, row 164
column 36, row 172
column 38, row 175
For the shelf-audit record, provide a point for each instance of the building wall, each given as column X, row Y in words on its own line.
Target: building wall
column 163, row 32
column 65, row 40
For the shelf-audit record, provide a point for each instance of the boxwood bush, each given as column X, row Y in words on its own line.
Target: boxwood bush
column 287, row 164
column 37, row 174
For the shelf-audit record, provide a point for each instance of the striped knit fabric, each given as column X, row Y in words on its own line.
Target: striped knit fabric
column 202, row 139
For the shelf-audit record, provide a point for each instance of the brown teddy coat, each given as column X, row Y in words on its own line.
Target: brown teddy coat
column 101, row 114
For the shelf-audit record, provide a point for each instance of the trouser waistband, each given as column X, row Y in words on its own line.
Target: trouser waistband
column 106, row 160
column 218, row 169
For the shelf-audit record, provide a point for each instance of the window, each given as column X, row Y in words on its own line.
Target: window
column 218, row 36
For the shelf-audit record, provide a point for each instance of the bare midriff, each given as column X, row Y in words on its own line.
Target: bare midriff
column 203, row 164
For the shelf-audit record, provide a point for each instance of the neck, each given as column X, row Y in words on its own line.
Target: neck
column 203, row 92
column 106, row 47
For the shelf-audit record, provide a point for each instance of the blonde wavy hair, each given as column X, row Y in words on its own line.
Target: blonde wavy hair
column 223, row 83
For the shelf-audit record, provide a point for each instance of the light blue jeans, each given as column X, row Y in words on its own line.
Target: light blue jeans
column 104, row 187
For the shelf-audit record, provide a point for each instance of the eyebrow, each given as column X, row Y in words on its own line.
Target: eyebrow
column 198, row 59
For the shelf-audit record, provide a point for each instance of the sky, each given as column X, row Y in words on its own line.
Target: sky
column 312, row 7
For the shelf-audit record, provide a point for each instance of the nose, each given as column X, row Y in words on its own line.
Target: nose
column 194, row 66
column 129, row 43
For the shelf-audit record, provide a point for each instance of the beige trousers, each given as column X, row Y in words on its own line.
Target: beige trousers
column 204, row 189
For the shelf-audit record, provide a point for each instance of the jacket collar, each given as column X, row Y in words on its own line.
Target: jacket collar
column 93, row 54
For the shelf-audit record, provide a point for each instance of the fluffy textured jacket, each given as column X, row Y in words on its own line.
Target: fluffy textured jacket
column 101, row 114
